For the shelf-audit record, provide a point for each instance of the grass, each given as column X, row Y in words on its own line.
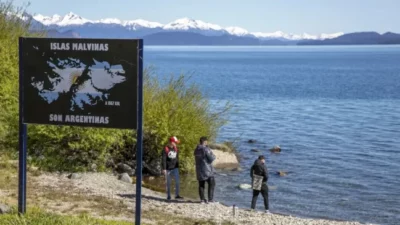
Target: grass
column 37, row 216
column 8, row 175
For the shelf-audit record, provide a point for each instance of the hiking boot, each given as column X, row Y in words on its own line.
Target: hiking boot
column 178, row 197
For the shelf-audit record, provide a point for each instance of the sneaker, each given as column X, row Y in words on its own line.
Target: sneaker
column 169, row 198
column 267, row 211
column 178, row 197
column 212, row 201
column 203, row 201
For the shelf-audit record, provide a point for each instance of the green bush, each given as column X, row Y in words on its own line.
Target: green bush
column 173, row 108
column 176, row 108
column 11, row 27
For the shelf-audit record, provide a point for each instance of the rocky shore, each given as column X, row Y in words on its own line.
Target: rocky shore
column 108, row 186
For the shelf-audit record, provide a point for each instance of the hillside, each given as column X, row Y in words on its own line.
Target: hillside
column 359, row 38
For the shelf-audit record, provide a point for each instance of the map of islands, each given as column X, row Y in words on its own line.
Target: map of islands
column 83, row 82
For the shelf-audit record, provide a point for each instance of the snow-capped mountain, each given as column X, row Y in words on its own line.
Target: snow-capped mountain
column 116, row 28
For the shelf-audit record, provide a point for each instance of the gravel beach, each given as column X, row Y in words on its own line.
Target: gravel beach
column 108, row 185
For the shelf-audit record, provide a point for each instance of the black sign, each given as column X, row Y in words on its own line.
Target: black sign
column 80, row 82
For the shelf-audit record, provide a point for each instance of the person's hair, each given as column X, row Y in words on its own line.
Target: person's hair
column 203, row 139
column 261, row 157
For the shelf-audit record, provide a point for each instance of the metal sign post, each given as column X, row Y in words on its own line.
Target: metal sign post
column 22, row 140
column 139, row 141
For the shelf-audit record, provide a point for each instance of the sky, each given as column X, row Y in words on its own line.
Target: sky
column 290, row 16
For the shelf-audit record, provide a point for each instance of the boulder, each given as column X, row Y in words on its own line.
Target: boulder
column 281, row 173
column 123, row 168
column 4, row 209
column 131, row 163
column 237, row 169
column 275, row 149
column 244, row 186
column 125, row 178
column 93, row 167
column 74, row 176
column 222, row 147
column 110, row 163
column 225, row 160
column 152, row 168
column 251, row 141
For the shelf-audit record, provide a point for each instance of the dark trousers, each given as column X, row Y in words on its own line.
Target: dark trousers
column 211, row 185
column 264, row 193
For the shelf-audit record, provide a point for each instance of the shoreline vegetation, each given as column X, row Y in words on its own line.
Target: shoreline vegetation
column 94, row 195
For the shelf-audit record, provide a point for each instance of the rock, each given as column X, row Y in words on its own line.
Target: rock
column 110, row 163
column 244, row 186
column 131, row 163
column 255, row 150
column 225, row 160
column 237, row 169
column 4, row 209
column 151, row 178
column 281, row 173
column 123, row 168
column 93, row 167
column 275, row 149
column 125, row 178
column 74, row 176
column 251, row 141
column 152, row 168
column 221, row 147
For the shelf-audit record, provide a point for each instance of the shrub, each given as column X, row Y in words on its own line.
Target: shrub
column 176, row 108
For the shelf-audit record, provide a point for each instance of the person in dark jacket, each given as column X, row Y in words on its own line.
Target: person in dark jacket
column 170, row 166
column 260, row 171
column 204, row 169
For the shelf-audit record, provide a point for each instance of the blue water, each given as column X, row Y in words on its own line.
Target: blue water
column 335, row 111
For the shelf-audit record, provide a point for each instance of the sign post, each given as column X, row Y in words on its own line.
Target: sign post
column 139, row 141
column 22, row 140
column 80, row 82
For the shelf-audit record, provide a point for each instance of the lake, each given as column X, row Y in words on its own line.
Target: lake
column 334, row 110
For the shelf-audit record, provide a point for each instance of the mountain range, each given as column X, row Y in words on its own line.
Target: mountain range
column 187, row 31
